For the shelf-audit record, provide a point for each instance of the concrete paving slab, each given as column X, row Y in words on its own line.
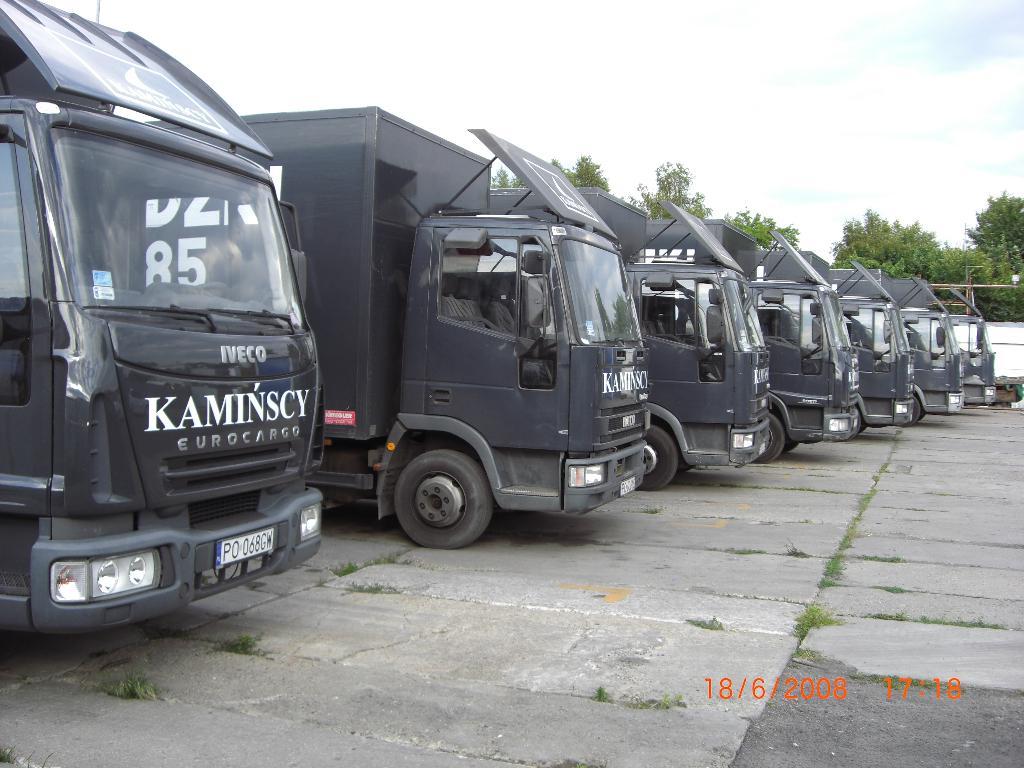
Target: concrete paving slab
column 990, row 489
column 31, row 657
column 865, row 601
column 765, row 576
column 948, row 553
column 779, row 478
column 101, row 731
column 986, row 658
column 925, row 577
column 538, row 650
column 999, row 527
column 742, row 503
column 514, row 590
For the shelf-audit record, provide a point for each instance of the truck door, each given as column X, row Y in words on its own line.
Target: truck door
column 493, row 358
column 25, row 372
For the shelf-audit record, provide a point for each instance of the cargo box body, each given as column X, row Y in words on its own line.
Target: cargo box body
column 361, row 181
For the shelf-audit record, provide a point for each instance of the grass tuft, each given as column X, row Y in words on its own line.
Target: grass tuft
column 349, row 568
column 602, row 696
column 901, row 616
column 826, row 582
column 711, row 623
column 373, row 589
column 814, row 615
column 893, row 590
column 132, row 686
column 806, row 654
column 792, row 551
column 883, row 559
column 665, row 702
column 648, row 511
column 974, row 624
column 7, row 755
column 244, row 645
column 746, row 551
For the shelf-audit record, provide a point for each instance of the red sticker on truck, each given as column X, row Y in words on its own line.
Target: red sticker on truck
column 340, row 418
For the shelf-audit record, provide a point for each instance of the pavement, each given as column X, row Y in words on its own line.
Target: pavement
column 590, row 641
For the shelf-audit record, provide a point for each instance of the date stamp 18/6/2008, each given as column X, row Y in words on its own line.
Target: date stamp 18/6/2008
column 823, row 688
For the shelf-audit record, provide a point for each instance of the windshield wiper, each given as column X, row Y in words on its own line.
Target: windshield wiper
column 172, row 309
column 260, row 313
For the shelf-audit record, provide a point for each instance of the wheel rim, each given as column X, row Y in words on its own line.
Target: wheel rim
column 650, row 459
column 440, row 501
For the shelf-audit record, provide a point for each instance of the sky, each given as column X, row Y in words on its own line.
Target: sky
column 809, row 112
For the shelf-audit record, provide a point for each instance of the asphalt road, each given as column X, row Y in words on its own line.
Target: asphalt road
column 560, row 641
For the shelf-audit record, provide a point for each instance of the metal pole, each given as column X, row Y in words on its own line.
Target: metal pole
column 98, row 4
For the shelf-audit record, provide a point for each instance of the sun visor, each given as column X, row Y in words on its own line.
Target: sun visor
column 548, row 183
column 77, row 57
column 700, row 231
column 812, row 275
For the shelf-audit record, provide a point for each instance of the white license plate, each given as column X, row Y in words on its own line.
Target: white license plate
column 629, row 421
column 243, row 547
column 627, row 486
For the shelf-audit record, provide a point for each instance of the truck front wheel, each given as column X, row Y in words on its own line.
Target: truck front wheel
column 776, row 441
column 443, row 500
column 665, row 454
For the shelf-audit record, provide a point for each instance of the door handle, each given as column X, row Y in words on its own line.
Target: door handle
column 441, row 396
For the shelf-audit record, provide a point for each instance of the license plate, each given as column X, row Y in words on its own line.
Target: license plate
column 629, row 421
column 627, row 486
column 244, row 547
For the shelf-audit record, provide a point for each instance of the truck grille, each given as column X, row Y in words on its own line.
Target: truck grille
column 14, row 584
column 622, row 422
column 200, row 512
column 220, row 470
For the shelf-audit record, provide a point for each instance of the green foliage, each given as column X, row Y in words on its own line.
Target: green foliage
column 7, row 755
column 132, row 686
column 602, row 696
column 813, row 616
column 244, row 645
column 910, row 250
column 712, row 623
column 760, row 228
column 502, row 179
column 585, row 173
column 672, row 182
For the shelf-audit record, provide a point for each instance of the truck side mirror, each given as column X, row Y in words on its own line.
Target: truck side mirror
column 716, row 325
column 12, row 375
column 940, row 336
column 535, row 302
column 815, row 309
column 715, row 297
column 467, row 238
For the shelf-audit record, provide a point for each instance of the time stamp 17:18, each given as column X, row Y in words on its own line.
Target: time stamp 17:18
column 822, row 688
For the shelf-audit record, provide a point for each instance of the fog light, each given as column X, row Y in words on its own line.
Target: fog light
column 309, row 522
column 743, row 440
column 954, row 399
column 586, row 475
column 137, row 571
column 902, row 408
column 838, row 425
column 68, row 582
column 106, row 577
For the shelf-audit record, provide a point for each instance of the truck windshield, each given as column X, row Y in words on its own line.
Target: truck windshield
column 148, row 230
column 601, row 303
column 746, row 326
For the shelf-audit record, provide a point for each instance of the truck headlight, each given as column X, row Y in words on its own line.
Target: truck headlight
column 743, row 440
column 309, row 522
column 79, row 581
column 838, row 425
column 583, row 476
column 954, row 399
column 902, row 408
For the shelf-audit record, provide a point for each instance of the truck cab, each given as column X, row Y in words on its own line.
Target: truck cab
column 708, row 361
column 813, row 372
column 938, row 365
column 158, row 380
column 971, row 331
column 885, row 395
column 481, row 355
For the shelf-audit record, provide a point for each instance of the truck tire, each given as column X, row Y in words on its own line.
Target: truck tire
column 666, row 453
column 776, row 441
column 443, row 500
column 918, row 411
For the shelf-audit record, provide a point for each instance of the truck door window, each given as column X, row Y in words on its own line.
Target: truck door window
column 537, row 364
column 781, row 322
column 671, row 314
column 478, row 286
column 14, row 305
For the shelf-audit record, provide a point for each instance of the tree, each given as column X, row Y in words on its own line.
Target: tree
column 901, row 250
column 1000, row 230
column 585, row 173
column 502, row 179
column 760, row 228
column 672, row 182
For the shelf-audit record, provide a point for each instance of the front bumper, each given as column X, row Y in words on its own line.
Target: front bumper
column 979, row 394
column 944, row 404
column 184, row 555
column 898, row 412
column 624, row 466
column 838, row 425
column 759, row 433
